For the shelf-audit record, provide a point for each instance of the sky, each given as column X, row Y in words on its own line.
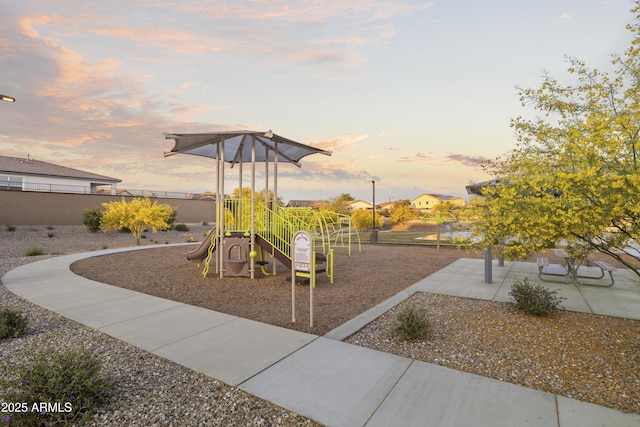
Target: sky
column 410, row 94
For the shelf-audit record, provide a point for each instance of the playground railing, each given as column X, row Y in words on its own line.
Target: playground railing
column 277, row 224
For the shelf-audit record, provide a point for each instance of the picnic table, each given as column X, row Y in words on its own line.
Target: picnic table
column 570, row 270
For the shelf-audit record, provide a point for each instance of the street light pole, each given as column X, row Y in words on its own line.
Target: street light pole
column 374, row 231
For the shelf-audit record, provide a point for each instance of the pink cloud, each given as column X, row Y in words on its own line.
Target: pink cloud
column 419, row 157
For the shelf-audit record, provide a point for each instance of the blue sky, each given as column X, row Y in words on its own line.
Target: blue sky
column 412, row 94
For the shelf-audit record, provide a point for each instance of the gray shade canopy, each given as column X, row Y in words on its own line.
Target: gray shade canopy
column 476, row 189
column 237, row 146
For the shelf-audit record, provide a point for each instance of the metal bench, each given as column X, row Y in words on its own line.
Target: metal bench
column 554, row 270
column 604, row 267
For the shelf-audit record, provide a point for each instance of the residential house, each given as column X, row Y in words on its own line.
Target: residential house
column 358, row 204
column 34, row 175
column 428, row 201
column 386, row 206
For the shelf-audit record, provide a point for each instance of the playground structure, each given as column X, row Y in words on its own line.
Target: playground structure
column 274, row 229
column 249, row 233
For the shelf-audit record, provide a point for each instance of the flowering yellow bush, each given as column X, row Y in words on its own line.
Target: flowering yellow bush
column 136, row 216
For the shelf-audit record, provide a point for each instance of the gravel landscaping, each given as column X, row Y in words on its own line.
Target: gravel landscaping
column 587, row 357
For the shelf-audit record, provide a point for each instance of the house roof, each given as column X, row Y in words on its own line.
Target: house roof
column 385, row 205
column 28, row 166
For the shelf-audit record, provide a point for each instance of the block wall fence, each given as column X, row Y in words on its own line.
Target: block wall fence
column 38, row 208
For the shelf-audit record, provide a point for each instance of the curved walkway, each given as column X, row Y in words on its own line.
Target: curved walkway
column 332, row 382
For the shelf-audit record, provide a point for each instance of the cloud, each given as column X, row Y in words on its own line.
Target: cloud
column 419, row 157
column 435, row 159
column 565, row 15
column 340, row 143
column 466, row 160
column 335, row 175
column 329, row 39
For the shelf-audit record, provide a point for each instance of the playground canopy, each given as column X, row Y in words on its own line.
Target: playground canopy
column 476, row 189
column 238, row 147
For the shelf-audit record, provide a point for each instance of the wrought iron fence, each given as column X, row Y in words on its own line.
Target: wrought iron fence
column 79, row 189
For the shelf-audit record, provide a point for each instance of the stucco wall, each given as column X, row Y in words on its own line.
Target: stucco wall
column 36, row 208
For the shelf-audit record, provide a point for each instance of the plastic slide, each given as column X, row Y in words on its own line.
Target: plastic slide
column 200, row 253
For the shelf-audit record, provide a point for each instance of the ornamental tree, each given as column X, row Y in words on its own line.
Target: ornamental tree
column 573, row 176
column 136, row 216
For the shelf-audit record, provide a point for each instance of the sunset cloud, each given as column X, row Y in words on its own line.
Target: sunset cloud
column 466, row 160
column 419, row 157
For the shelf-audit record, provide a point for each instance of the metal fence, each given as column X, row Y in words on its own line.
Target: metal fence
column 79, row 189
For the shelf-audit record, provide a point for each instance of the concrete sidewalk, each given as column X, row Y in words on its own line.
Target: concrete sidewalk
column 334, row 383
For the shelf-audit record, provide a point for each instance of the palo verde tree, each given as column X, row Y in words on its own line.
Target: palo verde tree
column 136, row 216
column 574, row 174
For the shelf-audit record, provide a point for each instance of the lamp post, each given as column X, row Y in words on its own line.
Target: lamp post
column 7, row 98
column 374, row 231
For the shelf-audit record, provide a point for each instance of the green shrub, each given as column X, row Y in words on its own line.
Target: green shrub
column 411, row 324
column 534, row 299
column 172, row 217
column 92, row 217
column 10, row 228
column 181, row 227
column 70, row 384
column 13, row 324
column 34, row 252
column 50, row 234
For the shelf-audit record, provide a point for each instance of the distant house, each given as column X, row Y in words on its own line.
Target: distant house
column 386, row 206
column 359, row 204
column 428, row 201
column 35, row 175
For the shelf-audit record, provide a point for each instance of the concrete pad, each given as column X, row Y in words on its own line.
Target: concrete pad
column 436, row 396
column 458, row 285
column 109, row 312
column 612, row 302
column 235, row 351
column 333, row 383
column 167, row 326
column 574, row 413
column 524, row 269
